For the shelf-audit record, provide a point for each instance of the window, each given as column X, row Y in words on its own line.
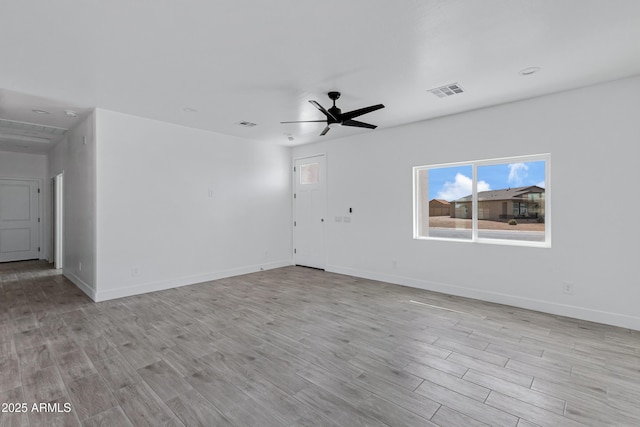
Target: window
column 309, row 174
column 491, row 201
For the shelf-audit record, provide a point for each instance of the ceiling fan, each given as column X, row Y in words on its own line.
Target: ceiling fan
column 336, row 116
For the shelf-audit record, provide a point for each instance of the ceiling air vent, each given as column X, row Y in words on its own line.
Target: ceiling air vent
column 246, row 124
column 32, row 129
column 447, row 90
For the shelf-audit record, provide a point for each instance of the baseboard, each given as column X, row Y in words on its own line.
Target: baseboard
column 81, row 284
column 184, row 281
column 591, row 315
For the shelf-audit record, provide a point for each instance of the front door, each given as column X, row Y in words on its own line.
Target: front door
column 309, row 211
column 19, row 228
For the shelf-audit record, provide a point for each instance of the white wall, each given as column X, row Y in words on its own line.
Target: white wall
column 30, row 166
column 157, row 225
column 75, row 156
column 23, row 165
column 592, row 134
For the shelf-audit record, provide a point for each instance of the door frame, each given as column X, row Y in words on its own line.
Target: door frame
column 41, row 253
column 57, row 220
column 293, row 203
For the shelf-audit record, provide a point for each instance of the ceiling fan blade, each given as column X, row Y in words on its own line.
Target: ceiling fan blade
column 307, row 121
column 358, row 124
column 324, row 132
column 355, row 113
column 321, row 108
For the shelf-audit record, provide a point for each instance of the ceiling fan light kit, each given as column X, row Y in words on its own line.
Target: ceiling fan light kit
column 335, row 116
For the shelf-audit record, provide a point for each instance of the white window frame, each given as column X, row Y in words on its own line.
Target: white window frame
column 474, row 203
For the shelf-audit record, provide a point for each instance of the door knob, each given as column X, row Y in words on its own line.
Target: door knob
column 321, row 219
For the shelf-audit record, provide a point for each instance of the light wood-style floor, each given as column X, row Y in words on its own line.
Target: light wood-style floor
column 302, row 347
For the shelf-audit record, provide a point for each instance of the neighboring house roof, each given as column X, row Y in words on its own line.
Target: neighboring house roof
column 504, row 194
column 441, row 201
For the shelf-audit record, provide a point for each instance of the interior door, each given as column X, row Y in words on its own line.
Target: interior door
column 19, row 227
column 310, row 211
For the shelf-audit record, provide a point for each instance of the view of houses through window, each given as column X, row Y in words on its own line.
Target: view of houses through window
column 497, row 200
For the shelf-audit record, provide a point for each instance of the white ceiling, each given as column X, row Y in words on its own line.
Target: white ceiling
column 261, row 61
column 24, row 130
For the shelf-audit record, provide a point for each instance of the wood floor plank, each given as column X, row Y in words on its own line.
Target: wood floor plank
column 143, row 408
column 109, row 418
column 392, row 414
column 195, row 410
column 370, row 404
column 90, row 396
column 164, row 380
column 61, row 344
column 524, row 394
column 598, row 413
column 9, row 373
column 334, row 408
column 409, row 400
column 472, row 352
column 529, row 412
column 139, row 353
column 217, row 389
column 184, row 363
column 549, row 372
column 465, row 405
column 274, row 400
column 490, row 369
column 117, row 373
column 252, row 415
column 452, row 382
column 37, row 357
column 98, row 348
column 28, row 338
column 447, row 417
column 43, row 385
column 75, row 365
column 397, row 376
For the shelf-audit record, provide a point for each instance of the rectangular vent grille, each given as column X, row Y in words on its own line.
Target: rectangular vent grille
column 448, row 90
column 30, row 128
column 247, row 124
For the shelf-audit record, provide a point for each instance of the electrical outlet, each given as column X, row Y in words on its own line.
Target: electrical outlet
column 135, row 271
column 567, row 288
column 338, row 219
column 346, row 219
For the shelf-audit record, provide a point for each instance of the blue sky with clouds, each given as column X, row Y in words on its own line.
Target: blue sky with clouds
column 454, row 182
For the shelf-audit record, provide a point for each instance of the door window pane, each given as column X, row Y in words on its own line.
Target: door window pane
column 309, row 174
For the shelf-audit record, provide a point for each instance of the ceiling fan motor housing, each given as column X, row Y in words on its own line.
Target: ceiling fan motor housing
column 335, row 112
